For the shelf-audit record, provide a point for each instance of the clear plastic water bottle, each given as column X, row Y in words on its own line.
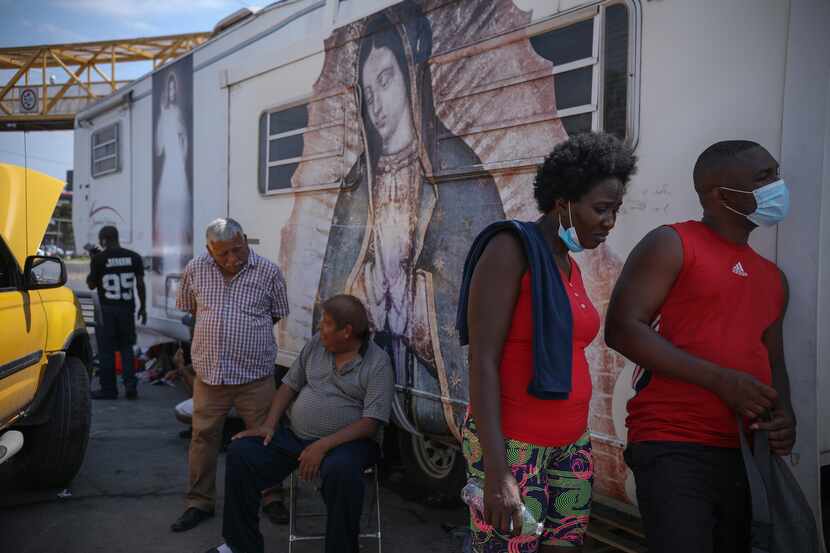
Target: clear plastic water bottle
column 473, row 495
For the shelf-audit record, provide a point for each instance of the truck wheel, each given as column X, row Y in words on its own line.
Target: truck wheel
column 55, row 450
column 433, row 466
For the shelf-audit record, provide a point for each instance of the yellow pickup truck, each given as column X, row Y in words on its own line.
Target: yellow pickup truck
column 45, row 351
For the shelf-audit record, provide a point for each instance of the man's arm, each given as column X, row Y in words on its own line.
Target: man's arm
column 646, row 280
column 284, row 396
column 186, row 299
column 92, row 277
column 782, row 424
column 312, row 456
column 142, row 297
column 138, row 271
column 282, row 399
column 292, row 383
column 494, row 291
column 279, row 298
column 363, row 429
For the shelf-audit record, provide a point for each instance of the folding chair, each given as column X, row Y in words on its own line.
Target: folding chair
column 373, row 504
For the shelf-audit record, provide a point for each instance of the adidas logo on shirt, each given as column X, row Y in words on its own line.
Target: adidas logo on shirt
column 738, row 269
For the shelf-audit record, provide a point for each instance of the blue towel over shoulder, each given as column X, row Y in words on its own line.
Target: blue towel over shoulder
column 552, row 320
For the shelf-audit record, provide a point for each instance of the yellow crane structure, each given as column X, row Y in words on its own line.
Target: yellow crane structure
column 31, row 98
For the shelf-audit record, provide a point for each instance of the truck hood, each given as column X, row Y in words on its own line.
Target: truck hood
column 27, row 201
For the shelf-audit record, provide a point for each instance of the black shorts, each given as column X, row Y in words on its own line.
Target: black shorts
column 693, row 498
column 117, row 328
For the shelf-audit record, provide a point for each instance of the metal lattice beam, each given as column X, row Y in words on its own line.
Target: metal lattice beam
column 29, row 99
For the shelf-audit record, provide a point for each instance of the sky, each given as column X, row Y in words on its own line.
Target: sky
column 38, row 22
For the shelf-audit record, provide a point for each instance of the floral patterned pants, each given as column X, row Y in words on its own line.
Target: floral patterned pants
column 555, row 483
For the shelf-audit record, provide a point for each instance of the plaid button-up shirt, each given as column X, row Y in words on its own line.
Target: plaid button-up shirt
column 233, row 341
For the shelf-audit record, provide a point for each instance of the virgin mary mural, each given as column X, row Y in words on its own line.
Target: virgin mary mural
column 446, row 108
column 397, row 235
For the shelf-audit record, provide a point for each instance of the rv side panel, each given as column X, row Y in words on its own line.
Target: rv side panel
column 805, row 124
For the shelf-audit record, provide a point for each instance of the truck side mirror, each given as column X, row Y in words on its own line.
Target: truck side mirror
column 42, row 272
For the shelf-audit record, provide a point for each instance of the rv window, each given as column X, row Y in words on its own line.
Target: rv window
column 284, row 142
column 576, row 124
column 105, row 135
column 572, row 50
column 105, row 151
column 589, row 55
column 310, row 133
column 568, row 44
column 616, row 70
column 573, row 88
column 574, row 84
column 289, row 119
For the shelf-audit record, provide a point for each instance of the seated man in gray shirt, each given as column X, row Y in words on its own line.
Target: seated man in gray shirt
column 341, row 386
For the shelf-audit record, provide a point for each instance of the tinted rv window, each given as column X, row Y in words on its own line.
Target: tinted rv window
column 576, row 52
column 105, row 151
column 502, row 96
column 576, row 124
column 284, row 145
column 289, row 119
column 616, row 70
column 311, row 134
column 567, row 44
column 573, row 88
column 571, row 49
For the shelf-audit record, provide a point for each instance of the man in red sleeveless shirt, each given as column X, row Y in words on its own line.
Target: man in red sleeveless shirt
column 701, row 314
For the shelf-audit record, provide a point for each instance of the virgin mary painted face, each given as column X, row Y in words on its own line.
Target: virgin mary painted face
column 387, row 100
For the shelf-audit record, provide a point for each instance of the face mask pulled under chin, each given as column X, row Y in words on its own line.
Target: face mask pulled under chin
column 569, row 236
column 772, row 203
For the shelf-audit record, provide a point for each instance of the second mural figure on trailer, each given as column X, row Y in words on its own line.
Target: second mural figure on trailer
column 172, row 203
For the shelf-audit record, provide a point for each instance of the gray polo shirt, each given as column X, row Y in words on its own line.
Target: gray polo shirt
column 328, row 400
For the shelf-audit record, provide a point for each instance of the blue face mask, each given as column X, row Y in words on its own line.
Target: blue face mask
column 569, row 236
column 772, row 203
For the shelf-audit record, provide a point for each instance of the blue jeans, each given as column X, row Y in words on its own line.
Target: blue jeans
column 252, row 467
column 116, row 333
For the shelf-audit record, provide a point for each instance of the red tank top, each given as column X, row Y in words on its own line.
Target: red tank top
column 723, row 300
column 539, row 421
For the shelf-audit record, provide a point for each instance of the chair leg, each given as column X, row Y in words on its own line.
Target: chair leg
column 377, row 507
column 292, row 500
column 293, row 495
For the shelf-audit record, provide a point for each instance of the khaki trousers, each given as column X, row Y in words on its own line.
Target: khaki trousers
column 211, row 405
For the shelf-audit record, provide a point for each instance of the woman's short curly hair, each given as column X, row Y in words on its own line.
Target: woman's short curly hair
column 575, row 166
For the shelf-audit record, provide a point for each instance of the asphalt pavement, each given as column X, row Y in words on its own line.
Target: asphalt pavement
column 131, row 485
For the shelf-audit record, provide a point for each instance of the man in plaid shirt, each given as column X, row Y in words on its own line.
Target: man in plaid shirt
column 236, row 297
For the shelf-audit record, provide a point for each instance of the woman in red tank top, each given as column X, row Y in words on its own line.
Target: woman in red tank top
column 529, row 453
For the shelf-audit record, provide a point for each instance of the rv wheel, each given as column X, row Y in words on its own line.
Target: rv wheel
column 432, row 465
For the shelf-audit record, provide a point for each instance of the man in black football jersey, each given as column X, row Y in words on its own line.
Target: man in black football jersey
column 117, row 273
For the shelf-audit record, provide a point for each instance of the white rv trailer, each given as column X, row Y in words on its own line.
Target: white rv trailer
column 270, row 122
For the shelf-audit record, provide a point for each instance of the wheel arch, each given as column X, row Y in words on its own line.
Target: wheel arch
column 78, row 344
